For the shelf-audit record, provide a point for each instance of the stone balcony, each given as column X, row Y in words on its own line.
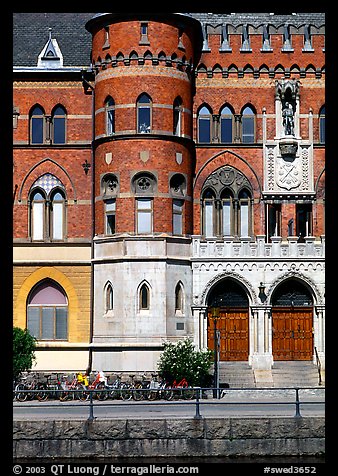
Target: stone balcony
column 247, row 247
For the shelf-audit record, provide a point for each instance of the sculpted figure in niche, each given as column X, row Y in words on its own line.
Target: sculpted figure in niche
column 288, row 120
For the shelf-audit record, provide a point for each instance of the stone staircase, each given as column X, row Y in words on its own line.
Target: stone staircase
column 295, row 374
column 236, row 374
column 283, row 374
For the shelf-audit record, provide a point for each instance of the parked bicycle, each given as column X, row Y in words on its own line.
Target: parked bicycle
column 159, row 389
column 27, row 386
column 70, row 389
column 99, row 385
column 181, row 389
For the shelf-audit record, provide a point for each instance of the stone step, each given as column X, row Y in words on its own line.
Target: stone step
column 282, row 374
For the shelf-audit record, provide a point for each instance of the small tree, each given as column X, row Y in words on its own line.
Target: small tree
column 180, row 360
column 24, row 345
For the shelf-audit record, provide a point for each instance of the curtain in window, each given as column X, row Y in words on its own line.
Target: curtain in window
column 47, row 312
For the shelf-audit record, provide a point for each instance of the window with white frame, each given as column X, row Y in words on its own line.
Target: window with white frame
column 226, row 209
column 204, row 124
column 110, row 116
column 178, row 217
column 144, row 215
column 144, row 107
column 177, row 117
column 47, row 202
column 47, row 311
column 110, row 216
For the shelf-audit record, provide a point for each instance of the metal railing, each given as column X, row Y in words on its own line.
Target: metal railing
column 198, row 400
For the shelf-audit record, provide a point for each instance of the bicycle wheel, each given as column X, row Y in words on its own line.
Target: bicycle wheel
column 188, row 393
column 152, row 395
column 168, row 393
column 42, row 395
column 126, row 392
column 64, row 396
column 138, row 394
column 21, row 397
column 103, row 394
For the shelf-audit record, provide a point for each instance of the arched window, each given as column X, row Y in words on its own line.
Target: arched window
column 204, row 125
column 177, row 117
column 110, row 116
column 179, row 298
column 227, row 212
column 47, row 209
column 244, row 213
column 37, row 130
column 322, row 125
column 227, row 124
column 47, row 311
column 38, row 221
column 57, row 215
column 209, row 212
column 58, row 135
column 248, row 125
column 226, row 209
column 144, row 297
column 144, row 114
column 109, row 297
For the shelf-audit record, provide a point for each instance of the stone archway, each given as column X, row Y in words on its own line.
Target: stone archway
column 232, row 304
column 292, row 321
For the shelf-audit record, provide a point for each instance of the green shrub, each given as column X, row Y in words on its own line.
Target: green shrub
column 180, row 360
column 24, row 345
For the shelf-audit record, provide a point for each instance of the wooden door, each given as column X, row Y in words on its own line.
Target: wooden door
column 233, row 325
column 292, row 333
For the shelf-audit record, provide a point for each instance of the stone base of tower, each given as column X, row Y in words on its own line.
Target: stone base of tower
column 142, row 296
column 125, row 359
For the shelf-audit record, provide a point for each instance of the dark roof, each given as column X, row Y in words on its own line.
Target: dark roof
column 31, row 31
column 256, row 19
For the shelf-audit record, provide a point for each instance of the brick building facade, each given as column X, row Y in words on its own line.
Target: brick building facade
column 168, row 169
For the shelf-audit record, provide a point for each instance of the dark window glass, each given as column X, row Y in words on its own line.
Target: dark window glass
column 37, row 120
column 204, row 125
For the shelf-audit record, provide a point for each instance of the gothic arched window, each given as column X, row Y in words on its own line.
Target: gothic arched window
column 248, row 125
column 47, row 200
column 37, row 129
column 226, row 202
column 227, row 124
column 179, row 298
column 204, row 125
column 144, row 297
column 58, row 122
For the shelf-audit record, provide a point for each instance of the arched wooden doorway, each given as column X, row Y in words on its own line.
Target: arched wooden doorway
column 232, row 305
column 292, row 322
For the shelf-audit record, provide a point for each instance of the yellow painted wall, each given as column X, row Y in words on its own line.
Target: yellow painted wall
column 75, row 280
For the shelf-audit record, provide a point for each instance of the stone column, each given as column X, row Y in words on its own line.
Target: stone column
column 261, row 348
column 319, row 332
column 200, row 326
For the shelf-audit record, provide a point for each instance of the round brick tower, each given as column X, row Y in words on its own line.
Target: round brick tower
column 143, row 172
